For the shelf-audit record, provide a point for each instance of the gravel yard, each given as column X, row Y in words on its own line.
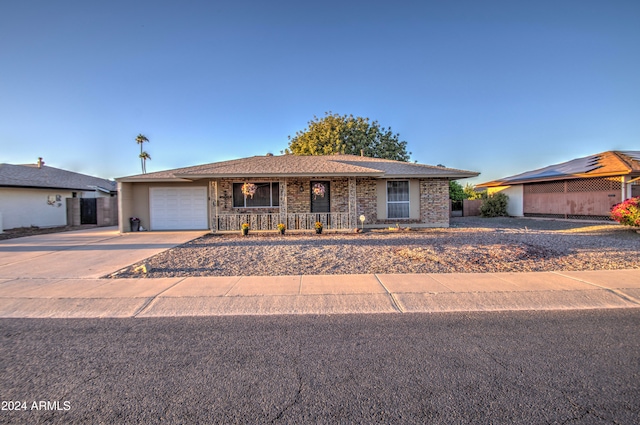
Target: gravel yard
column 21, row 232
column 471, row 244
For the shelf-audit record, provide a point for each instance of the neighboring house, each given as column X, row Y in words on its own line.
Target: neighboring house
column 36, row 195
column 584, row 188
column 295, row 190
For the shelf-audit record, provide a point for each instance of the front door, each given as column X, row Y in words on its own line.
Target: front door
column 320, row 197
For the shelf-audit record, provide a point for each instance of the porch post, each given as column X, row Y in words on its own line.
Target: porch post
column 626, row 188
column 352, row 203
column 283, row 201
column 214, row 204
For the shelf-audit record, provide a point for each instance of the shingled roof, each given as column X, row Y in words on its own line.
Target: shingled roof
column 605, row 164
column 303, row 166
column 32, row 176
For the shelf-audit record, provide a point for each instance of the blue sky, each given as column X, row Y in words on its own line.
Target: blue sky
column 499, row 87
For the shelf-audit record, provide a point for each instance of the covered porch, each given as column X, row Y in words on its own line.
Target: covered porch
column 290, row 201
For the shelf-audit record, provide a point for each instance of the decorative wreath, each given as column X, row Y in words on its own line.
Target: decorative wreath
column 249, row 189
column 318, row 190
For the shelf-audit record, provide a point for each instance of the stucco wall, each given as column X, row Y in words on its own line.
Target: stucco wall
column 133, row 201
column 515, row 205
column 33, row 207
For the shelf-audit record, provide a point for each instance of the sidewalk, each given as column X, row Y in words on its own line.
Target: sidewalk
column 57, row 275
column 327, row 294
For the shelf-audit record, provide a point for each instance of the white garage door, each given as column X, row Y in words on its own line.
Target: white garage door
column 178, row 208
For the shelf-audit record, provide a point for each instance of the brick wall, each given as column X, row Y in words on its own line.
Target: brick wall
column 367, row 200
column 225, row 198
column 73, row 211
column 298, row 201
column 340, row 195
column 107, row 211
column 434, row 199
column 434, row 202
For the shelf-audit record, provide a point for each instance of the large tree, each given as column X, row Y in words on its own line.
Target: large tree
column 348, row 135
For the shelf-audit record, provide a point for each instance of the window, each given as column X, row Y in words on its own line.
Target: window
column 267, row 195
column 398, row 199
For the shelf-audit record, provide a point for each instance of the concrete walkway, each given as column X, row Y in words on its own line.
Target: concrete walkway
column 57, row 276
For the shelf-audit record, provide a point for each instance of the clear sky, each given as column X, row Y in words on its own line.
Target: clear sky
column 499, row 87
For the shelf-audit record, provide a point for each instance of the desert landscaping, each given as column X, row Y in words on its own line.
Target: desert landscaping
column 471, row 244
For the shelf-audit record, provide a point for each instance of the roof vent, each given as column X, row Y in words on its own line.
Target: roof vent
column 269, row 154
column 40, row 162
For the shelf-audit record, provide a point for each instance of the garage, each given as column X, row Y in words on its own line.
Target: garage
column 178, row 208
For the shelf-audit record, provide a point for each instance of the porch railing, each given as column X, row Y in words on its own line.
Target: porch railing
column 306, row 221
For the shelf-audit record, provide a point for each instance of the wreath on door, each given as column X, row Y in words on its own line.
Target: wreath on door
column 318, row 190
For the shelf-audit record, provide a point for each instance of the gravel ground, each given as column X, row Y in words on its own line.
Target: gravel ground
column 470, row 245
column 20, row 232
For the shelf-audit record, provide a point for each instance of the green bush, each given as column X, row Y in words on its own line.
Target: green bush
column 494, row 205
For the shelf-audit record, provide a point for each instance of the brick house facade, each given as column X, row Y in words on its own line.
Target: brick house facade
column 385, row 192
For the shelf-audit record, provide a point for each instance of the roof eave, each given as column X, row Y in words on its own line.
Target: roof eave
column 152, row 180
column 272, row 175
column 451, row 176
column 380, row 175
column 16, row 186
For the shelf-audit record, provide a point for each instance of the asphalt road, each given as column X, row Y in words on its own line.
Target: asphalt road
column 517, row 367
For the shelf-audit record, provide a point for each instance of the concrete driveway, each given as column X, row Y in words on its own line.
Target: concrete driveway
column 82, row 254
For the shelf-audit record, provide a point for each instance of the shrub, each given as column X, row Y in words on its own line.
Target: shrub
column 494, row 205
column 627, row 212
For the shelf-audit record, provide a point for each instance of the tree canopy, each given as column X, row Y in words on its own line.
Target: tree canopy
column 347, row 134
column 471, row 193
column 456, row 192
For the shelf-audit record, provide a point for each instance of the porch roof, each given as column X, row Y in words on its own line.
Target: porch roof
column 303, row 166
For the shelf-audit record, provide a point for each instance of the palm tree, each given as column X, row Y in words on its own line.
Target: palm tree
column 140, row 139
column 143, row 158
